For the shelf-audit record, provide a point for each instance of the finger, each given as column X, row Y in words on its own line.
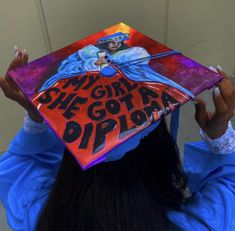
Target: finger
column 201, row 115
column 17, row 52
column 25, row 57
column 227, row 92
column 220, row 71
column 210, row 115
column 5, row 88
column 219, row 102
column 3, row 85
column 16, row 62
column 213, row 69
column 15, row 49
column 226, row 87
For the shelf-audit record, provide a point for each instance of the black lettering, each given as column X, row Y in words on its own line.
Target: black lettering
column 76, row 82
column 92, row 80
column 124, row 130
column 168, row 99
column 146, row 94
column 98, row 92
column 86, row 135
column 46, row 97
column 113, row 106
column 127, row 101
column 118, row 89
column 102, row 129
column 61, row 102
column 138, row 117
column 68, row 114
column 96, row 114
column 72, row 132
column 109, row 91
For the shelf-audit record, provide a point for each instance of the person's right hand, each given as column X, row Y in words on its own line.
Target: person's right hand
column 11, row 89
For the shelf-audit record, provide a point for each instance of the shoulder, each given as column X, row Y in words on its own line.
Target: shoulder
column 26, row 200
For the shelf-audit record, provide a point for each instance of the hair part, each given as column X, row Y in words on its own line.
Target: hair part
column 104, row 46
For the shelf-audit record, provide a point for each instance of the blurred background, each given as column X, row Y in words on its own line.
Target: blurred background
column 203, row 30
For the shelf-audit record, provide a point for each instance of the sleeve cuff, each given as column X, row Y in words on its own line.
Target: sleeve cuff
column 223, row 145
column 201, row 165
column 33, row 127
column 32, row 138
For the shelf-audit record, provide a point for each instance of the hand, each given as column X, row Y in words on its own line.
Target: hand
column 215, row 124
column 101, row 61
column 12, row 91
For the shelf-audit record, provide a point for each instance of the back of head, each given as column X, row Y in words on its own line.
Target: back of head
column 131, row 194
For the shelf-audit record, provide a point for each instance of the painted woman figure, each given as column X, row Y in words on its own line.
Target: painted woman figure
column 110, row 54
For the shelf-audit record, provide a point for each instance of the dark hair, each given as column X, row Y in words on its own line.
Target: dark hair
column 130, row 194
column 104, row 46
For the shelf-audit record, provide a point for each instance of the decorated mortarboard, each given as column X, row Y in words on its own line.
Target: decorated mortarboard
column 101, row 92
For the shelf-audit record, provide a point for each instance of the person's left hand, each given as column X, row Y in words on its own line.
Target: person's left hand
column 215, row 124
column 11, row 89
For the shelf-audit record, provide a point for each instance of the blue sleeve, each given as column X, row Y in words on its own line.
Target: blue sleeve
column 27, row 173
column 212, row 184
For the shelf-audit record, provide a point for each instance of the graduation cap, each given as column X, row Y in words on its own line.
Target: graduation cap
column 104, row 93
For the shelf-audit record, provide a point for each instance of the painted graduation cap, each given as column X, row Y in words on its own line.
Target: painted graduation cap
column 102, row 92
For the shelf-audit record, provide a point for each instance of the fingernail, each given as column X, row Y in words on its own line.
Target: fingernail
column 15, row 49
column 16, row 54
column 219, row 68
column 217, row 91
column 213, row 69
column 24, row 51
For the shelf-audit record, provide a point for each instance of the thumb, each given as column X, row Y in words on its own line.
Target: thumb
column 201, row 115
column 4, row 86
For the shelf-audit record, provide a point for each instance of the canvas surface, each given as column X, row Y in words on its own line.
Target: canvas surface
column 100, row 91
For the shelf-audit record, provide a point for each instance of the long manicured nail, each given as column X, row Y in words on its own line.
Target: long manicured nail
column 219, row 68
column 16, row 54
column 24, row 52
column 217, row 91
column 213, row 69
column 15, row 49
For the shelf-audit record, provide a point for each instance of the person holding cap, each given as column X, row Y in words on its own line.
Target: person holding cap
column 43, row 188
